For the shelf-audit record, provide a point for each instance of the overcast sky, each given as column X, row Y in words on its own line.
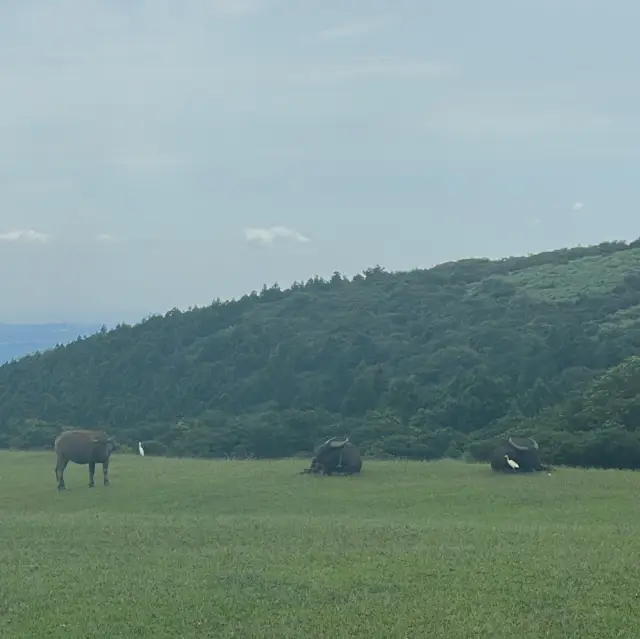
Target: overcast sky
column 158, row 153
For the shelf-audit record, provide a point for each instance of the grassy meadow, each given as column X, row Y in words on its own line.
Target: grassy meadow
column 194, row 548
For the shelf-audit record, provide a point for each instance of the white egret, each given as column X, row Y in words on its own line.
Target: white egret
column 512, row 463
column 140, row 449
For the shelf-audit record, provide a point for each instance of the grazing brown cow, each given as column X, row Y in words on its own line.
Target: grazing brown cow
column 83, row 447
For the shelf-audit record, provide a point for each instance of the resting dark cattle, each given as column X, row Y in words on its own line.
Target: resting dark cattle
column 334, row 456
column 83, row 447
column 522, row 450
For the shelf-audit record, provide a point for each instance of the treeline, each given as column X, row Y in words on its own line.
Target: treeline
column 420, row 364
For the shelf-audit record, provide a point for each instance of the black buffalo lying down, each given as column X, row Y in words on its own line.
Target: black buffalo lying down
column 83, row 447
column 336, row 457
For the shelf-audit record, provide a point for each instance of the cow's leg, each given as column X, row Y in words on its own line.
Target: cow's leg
column 92, row 472
column 60, row 466
column 105, row 472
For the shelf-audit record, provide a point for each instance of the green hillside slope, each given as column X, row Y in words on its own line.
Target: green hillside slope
column 420, row 364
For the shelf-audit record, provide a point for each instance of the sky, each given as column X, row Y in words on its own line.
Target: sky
column 158, row 154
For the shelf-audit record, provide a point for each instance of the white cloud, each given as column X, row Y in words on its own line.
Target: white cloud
column 238, row 6
column 268, row 235
column 390, row 65
column 24, row 235
column 378, row 66
column 352, row 30
column 150, row 162
column 105, row 237
column 37, row 187
column 577, row 210
column 490, row 115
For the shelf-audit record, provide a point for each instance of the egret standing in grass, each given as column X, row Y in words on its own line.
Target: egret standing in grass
column 140, row 449
column 514, row 465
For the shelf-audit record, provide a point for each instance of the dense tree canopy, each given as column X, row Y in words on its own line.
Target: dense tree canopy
column 418, row 364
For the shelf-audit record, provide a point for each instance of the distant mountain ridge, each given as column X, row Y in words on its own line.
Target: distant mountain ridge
column 18, row 340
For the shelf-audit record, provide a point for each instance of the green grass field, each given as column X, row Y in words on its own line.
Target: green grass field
column 186, row 548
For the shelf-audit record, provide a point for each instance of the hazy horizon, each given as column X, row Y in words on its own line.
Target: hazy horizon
column 160, row 154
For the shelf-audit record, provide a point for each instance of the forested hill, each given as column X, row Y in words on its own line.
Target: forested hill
column 419, row 364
